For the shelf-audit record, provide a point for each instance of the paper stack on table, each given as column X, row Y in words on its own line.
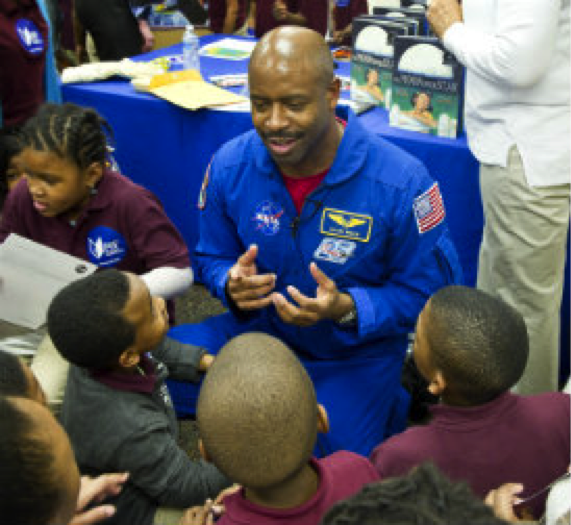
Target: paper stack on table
column 31, row 274
column 194, row 94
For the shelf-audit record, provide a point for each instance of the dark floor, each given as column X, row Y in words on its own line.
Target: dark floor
column 192, row 307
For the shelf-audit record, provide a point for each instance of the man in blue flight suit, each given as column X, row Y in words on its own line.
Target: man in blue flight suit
column 318, row 232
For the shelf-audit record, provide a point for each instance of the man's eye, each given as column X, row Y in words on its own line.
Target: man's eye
column 259, row 106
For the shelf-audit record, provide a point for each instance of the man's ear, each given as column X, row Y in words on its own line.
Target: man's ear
column 322, row 419
column 129, row 358
column 203, row 451
column 334, row 92
column 93, row 174
column 437, row 384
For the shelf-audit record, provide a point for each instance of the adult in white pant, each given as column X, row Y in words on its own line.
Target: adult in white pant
column 517, row 119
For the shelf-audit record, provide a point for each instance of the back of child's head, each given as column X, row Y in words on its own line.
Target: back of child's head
column 69, row 131
column 33, row 456
column 13, row 381
column 18, row 380
column 477, row 341
column 257, row 412
column 422, row 497
column 85, row 320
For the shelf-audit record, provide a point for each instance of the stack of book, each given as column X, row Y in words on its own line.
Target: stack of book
column 398, row 66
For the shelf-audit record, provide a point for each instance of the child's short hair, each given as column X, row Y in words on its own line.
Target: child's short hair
column 13, row 381
column 29, row 492
column 70, row 131
column 424, row 496
column 257, row 411
column 479, row 342
column 85, row 320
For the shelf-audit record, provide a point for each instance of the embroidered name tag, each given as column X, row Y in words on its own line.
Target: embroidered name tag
column 335, row 250
column 346, row 224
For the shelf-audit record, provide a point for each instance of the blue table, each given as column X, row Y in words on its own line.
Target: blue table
column 167, row 149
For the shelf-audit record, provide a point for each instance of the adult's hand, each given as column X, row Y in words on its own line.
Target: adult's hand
column 245, row 287
column 442, row 14
column 199, row 515
column 328, row 303
column 147, row 35
column 503, row 499
column 95, row 490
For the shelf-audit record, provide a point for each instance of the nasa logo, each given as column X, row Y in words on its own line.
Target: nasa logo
column 267, row 218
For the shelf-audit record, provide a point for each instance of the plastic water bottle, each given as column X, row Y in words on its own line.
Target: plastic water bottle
column 190, row 48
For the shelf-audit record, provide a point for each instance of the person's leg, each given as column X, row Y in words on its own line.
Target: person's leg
column 522, row 259
column 168, row 516
column 51, row 370
column 112, row 26
column 364, row 400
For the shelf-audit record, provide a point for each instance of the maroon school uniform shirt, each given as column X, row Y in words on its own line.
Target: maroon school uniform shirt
column 316, row 14
column 340, row 476
column 124, row 226
column 23, row 45
column 520, row 439
column 217, row 14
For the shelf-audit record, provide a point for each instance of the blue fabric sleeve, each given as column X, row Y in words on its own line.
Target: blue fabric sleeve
column 218, row 247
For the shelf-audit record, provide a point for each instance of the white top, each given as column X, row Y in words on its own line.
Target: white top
column 516, row 53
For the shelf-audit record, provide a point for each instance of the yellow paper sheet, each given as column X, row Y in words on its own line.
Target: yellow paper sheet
column 194, row 95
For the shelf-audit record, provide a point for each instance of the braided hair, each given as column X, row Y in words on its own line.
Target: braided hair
column 69, row 131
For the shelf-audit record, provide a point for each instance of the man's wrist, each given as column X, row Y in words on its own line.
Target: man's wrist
column 347, row 312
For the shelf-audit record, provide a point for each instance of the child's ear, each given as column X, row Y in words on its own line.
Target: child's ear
column 129, row 358
column 437, row 384
column 203, row 451
column 93, row 174
column 322, row 420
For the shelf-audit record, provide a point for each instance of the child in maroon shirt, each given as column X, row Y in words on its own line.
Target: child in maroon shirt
column 258, row 420
column 472, row 348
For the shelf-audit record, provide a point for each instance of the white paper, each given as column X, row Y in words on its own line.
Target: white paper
column 31, row 274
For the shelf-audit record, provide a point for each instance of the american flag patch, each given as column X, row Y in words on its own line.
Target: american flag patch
column 429, row 209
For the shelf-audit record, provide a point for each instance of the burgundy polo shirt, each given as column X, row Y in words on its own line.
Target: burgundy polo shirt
column 341, row 475
column 512, row 439
column 265, row 20
column 124, row 226
column 217, row 14
column 23, row 46
column 316, row 14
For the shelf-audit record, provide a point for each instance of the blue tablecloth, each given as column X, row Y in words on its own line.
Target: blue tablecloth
column 167, row 149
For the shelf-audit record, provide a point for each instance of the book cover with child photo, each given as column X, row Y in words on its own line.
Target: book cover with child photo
column 372, row 59
column 428, row 88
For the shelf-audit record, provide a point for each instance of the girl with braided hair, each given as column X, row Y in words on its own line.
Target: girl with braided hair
column 72, row 201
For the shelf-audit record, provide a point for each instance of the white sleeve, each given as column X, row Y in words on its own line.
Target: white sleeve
column 518, row 51
column 168, row 282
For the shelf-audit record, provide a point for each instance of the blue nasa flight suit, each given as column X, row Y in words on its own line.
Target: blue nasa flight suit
column 359, row 227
